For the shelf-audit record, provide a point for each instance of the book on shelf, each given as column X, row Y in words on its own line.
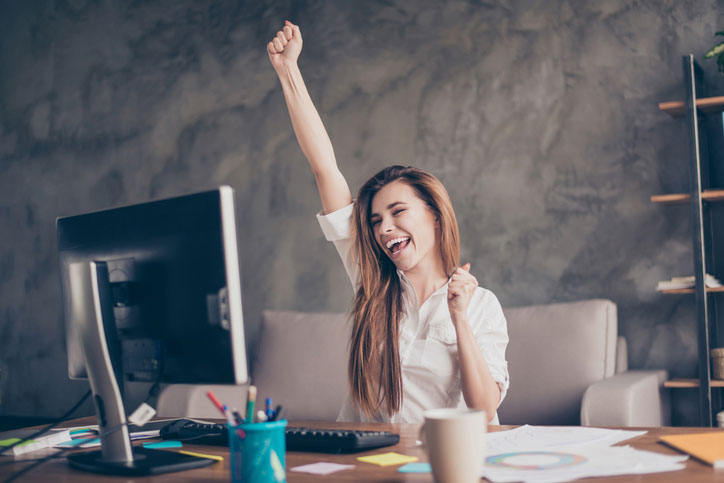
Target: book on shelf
column 707, row 447
column 47, row 440
column 686, row 282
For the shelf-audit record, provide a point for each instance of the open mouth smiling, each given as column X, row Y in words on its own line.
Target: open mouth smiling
column 396, row 245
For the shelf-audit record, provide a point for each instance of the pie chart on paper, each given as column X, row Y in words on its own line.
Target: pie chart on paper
column 535, row 460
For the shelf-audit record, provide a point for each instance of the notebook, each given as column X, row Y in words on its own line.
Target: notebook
column 707, row 447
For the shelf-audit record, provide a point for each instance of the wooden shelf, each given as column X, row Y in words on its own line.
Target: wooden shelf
column 690, row 383
column 681, row 198
column 705, row 104
column 691, row 290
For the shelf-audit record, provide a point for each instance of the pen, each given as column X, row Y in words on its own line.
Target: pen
column 216, row 402
column 200, row 455
column 221, row 407
column 250, row 404
column 229, row 417
column 225, row 411
column 268, row 410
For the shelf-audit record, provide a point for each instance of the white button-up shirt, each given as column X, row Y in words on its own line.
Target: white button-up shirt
column 428, row 342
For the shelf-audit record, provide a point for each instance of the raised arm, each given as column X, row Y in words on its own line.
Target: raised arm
column 283, row 52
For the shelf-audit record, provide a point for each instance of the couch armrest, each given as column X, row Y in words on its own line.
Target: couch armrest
column 631, row 398
column 621, row 355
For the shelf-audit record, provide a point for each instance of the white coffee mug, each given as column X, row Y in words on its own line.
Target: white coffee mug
column 455, row 443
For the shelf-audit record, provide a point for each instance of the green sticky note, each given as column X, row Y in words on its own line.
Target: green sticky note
column 415, row 468
column 163, row 444
column 11, row 441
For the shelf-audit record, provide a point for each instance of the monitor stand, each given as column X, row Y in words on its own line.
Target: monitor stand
column 93, row 315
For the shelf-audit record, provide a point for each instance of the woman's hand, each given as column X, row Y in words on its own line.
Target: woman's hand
column 459, row 292
column 284, row 49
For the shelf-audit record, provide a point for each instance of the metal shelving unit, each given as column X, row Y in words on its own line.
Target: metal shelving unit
column 700, row 199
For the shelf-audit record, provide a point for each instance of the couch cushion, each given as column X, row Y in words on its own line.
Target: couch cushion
column 555, row 352
column 301, row 363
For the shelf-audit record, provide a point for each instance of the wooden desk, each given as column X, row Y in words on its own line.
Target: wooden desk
column 58, row 470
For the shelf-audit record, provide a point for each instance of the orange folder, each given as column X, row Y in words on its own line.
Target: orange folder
column 707, row 447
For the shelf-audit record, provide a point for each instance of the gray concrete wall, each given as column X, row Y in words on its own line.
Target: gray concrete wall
column 539, row 116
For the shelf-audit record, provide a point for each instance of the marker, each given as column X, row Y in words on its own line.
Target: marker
column 268, row 410
column 279, row 413
column 237, row 416
column 251, row 400
column 200, row 455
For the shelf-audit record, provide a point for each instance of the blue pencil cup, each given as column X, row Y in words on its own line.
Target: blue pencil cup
column 259, row 455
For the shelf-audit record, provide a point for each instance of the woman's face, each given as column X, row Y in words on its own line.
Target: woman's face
column 404, row 226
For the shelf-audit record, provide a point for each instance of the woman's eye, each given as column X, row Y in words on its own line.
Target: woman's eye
column 375, row 222
column 397, row 212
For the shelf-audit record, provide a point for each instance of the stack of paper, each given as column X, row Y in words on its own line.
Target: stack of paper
column 546, row 454
column 47, row 440
column 686, row 282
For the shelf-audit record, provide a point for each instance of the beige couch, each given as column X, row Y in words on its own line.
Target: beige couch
column 566, row 363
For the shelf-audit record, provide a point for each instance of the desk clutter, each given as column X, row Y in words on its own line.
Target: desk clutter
column 536, row 454
column 258, row 442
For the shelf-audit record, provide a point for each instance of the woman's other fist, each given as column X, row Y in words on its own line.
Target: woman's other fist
column 285, row 47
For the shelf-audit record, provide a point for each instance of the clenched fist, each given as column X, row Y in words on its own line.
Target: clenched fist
column 285, row 47
column 460, row 291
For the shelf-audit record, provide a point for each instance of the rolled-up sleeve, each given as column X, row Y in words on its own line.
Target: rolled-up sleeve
column 491, row 333
column 337, row 228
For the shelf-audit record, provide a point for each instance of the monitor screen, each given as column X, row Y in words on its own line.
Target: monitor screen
column 175, row 288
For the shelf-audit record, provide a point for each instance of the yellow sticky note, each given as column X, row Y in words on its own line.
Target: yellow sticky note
column 388, row 459
column 200, row 455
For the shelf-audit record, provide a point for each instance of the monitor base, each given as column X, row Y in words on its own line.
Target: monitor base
column 145, row 462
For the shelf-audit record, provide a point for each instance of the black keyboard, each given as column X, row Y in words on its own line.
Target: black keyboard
column 298, row 439
column 337, row 441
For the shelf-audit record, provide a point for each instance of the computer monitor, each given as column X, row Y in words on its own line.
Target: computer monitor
column 151, row 292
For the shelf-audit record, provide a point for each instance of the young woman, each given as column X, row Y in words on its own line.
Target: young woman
column 424, row 334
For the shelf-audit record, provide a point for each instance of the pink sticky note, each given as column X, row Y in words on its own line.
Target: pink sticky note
column 322, row 468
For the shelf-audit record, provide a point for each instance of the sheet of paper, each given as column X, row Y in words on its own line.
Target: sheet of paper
column 388, row 459
column 551, row 437
column 154, row 433
column 11, row 440
column 574, row 462
column 321, row 468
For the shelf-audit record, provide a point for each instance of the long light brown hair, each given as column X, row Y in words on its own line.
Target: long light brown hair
column 374, row 367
